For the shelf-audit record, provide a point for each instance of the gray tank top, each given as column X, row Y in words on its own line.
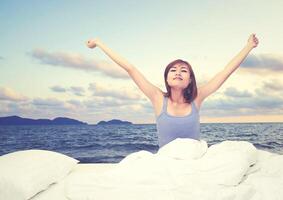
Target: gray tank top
column 171, row 127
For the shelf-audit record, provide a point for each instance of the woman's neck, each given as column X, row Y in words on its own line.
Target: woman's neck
column 177, row 97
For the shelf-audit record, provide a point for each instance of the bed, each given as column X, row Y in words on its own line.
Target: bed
column 182, row 169
column 57, row 191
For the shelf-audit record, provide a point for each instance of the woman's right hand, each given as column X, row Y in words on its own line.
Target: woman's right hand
column 91, row 43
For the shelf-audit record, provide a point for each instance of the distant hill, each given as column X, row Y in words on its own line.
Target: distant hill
column 16, row 120
column 114, row 121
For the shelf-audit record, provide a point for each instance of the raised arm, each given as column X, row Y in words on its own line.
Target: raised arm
column 145, row 86
column 209, row 88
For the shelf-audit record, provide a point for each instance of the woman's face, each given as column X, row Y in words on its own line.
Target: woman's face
column 179, row 76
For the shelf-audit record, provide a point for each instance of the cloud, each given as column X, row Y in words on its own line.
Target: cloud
column 11, row 108
column 263, row 62
column 108, row 100
column 233, row 92
column 240, row 103
column 273, row 85
column 77, row 90
column 77, row 61
column 89, row 109
column 104, row 103
column 50, row 102
column 104, row 100
column 224, row 107
column 122, row 94
column 128, row 105
column 58, row 89
column 74, row 102
column 53, row 105
column 100, row 90
column 10, row 95
column 44, row 108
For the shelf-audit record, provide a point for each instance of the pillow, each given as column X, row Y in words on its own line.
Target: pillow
column 184, row 148
column 25, row 173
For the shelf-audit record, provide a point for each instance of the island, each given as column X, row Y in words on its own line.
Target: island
column 16, row 120
column 115, row 122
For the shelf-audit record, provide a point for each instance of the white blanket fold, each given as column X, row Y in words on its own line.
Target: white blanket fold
column 182, row 169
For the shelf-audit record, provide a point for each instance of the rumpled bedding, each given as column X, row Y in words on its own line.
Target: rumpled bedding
column 187, row 169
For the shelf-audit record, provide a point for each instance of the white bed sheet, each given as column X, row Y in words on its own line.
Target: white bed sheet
column 264, row 180
column 232, row 170
column 57, row 191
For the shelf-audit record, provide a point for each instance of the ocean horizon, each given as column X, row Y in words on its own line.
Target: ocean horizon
column 112, row 143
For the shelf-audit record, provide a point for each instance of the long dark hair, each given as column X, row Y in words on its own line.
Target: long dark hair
column 190, row 92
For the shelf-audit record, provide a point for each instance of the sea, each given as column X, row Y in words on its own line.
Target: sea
column 112, row 143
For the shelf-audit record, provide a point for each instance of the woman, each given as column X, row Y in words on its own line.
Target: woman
column 177, row 111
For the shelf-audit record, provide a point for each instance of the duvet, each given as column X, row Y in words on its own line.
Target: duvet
column 186, row 169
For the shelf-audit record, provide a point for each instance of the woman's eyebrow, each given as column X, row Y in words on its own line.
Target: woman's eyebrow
column 181, row 67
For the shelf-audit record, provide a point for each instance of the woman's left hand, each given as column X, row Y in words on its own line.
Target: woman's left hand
column 252, row 41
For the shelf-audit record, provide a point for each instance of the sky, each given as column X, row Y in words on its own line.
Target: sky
column 46, row 70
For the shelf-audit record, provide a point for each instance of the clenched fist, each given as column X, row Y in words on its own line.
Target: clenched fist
column 92, row 43
column 252, row 41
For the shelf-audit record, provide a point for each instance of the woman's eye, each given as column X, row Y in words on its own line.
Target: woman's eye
column 184, row 71
column 173, row 70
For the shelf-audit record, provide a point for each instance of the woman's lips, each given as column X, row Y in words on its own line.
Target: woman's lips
column 177, row 78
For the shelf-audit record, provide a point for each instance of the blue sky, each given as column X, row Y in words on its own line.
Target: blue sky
column 46, row 70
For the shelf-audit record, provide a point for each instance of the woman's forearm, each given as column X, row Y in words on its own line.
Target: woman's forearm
column 114, row 56
column 238, row 59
